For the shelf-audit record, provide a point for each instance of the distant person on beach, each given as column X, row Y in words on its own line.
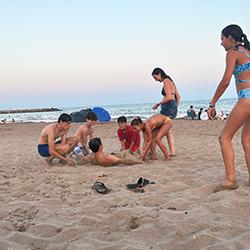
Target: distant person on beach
column 85, row 133
column 191, row 112
column 106, row 159
column 204, row 115
column 153, row 129
column 53, row 142
column 129, row 138
column 170, row 102
column 237, row 49
column 199, row 113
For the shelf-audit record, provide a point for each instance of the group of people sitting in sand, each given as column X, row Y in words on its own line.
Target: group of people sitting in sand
column 83, row 147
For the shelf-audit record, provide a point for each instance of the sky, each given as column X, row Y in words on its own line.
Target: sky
column 86, row 53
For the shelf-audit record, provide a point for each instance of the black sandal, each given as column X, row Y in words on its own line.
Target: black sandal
column 100, row 187
column 142, row 182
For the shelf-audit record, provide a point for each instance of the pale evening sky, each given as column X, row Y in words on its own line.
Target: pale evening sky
column 79, row 53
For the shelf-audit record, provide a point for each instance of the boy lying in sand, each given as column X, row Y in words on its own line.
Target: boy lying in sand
column 106, row 160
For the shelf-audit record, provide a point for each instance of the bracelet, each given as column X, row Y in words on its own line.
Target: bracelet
column 211, row 105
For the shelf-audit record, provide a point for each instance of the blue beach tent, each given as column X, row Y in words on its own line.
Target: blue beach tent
column 102, row 114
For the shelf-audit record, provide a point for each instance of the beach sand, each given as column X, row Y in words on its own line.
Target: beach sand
column 57, row 209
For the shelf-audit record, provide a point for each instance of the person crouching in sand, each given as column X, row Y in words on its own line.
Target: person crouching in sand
column 53, row 142
column 153, row 129
column 105, row 159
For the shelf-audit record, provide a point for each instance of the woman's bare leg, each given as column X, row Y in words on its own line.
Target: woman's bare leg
column 236, row 119
column 170, row 139
column 163, row 132
column 245, row 139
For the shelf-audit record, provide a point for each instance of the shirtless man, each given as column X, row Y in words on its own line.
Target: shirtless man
column 84, row 133
column 153, row 129
column 106, row 160
column 53, row 142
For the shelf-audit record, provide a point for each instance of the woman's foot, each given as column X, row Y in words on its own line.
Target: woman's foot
column 226, row 185
column 172, row 155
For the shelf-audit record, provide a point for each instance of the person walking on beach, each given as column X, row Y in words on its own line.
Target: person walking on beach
column 237, row 49
column 169, row 103
column 53, row 142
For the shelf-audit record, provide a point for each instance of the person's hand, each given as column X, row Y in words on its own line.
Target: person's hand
column 211, row 113
column 71, row 162
column 143, row 156
column 156, row 106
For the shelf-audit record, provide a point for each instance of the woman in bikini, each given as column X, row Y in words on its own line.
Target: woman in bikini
column 153, row 129
column 237, row 47
column 169, row 103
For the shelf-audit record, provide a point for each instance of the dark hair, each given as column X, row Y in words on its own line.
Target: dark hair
column 122, row 119
column 158, row 71
column 237, row 34
column 64, row 118
column 191, row 106
column 94, row 144
column 91, row 116
column 136, row 121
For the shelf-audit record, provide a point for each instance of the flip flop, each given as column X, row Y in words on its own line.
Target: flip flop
column 221, row 187
column 142, row 182
column 100, row 187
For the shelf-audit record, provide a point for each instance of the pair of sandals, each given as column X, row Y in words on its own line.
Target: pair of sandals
column 136, row 187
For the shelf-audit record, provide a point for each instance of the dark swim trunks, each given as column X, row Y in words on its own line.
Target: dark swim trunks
column 43, row 150
column 169, row 109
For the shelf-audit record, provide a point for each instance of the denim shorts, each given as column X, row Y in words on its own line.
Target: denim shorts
column 169, row 109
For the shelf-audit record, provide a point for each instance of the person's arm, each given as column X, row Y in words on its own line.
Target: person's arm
column 177, row 96
column 230, row 64
column 91, row 134
column 52, row 151
column 149, row 141
column 120, row 136
column 133, row 138
column 63, row 139
column 84, row 137
column 145, row 140
column 168, row 96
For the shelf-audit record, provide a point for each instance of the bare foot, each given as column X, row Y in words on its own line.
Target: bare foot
column 71, row 162
column 48, row 162
column 226, row 185
column 168, row 159
column 153, row 157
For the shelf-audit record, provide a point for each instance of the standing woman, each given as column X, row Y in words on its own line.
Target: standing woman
column 169, row 103
column 237, row 49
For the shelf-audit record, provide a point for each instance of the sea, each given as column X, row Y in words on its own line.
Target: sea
column 144, row 110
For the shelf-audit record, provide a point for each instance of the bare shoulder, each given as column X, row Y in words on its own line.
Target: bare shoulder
column 232, row 54
column 81, row 128
column 49, row 128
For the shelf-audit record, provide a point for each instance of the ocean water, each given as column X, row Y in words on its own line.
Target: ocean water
column 143, row 110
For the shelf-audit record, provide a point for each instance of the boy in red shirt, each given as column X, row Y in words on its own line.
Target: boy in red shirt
column 129, row 138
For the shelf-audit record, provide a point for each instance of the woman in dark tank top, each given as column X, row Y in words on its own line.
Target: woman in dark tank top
column 169, row 103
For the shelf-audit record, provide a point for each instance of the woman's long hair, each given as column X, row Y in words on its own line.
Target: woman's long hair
column 158, row 71
column 237, row 34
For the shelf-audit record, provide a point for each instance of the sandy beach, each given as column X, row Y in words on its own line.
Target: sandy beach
column 57, row 209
